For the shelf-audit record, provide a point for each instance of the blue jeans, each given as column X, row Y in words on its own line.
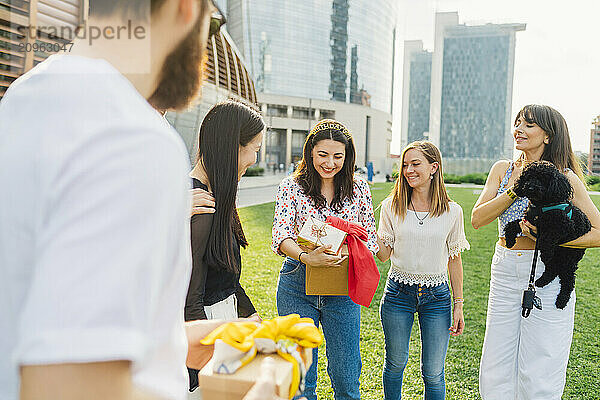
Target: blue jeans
column 398, row 306
column 340, row 318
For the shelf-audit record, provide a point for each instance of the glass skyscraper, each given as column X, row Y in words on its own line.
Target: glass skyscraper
column 314, row 49
column 463, row 89
column 418, row 106
column 475, row 99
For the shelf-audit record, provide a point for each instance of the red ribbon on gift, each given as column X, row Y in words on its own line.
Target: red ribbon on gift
column 363, row 275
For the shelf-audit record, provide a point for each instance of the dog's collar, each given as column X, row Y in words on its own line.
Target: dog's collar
column 562, row 206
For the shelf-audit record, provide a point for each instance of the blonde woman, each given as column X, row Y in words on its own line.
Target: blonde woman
column 422, row 231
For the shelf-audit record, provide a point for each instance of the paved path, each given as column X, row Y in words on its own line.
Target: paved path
column 263, row 189
column 255, row 190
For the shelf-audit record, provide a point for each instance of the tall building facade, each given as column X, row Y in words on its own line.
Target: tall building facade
column 291, row 118
column 226, row 76
column 594, row 154
column 304, row 48
column 17, row 42
column 416, row 99
column 326, row 53
column 470, row 93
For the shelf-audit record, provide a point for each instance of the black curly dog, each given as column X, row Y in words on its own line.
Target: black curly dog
column 557, row 221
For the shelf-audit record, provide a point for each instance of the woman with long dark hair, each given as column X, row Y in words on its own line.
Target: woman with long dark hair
column 323, row 185
column 230, row 137
column 526, row 358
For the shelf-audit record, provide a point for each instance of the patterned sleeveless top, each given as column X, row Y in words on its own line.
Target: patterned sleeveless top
column 516, row 210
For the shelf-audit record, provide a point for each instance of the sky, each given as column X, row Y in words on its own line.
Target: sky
column 557, row 57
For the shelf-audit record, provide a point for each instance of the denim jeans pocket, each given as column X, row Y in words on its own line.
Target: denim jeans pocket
column 396, row 289
column 440, row 292
column 289, row 266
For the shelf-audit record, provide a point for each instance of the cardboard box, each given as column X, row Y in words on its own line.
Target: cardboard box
column 315, row 233
column 331, row 281
column 235, row 386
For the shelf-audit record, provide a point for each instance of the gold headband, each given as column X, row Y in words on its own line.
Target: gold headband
column 326, row 124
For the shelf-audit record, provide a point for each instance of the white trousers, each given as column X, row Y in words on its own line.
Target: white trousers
column 225, row 309
column 523, row 358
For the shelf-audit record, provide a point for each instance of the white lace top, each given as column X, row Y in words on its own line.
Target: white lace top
column 420, row 253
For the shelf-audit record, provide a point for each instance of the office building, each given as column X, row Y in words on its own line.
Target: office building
column 336, row 51
column 470, row 93
column 225, row 74
column 289, row 119
column 304, row 49
column 415, row 97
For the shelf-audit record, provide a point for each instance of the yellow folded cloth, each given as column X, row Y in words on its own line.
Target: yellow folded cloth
column 236, row 344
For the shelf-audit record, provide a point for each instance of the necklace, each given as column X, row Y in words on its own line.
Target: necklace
column 417, row 215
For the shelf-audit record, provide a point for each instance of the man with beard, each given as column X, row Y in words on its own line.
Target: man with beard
column 94, row 210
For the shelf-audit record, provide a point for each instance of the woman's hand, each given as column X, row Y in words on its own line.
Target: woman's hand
column 199, row 354
column 319, row 258
column 458, row 320
column 528, row 229
column 202, row 202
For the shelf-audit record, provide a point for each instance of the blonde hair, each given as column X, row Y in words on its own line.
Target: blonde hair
column 402, row 192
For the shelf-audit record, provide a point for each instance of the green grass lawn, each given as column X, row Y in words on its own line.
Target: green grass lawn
column 259, row 278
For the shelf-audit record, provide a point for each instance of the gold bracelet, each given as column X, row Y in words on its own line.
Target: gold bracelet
column 511, row 193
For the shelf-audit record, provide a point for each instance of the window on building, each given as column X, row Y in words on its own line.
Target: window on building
column 274, row 110
column 327, row 114
column 298, row 139
column 301, row 113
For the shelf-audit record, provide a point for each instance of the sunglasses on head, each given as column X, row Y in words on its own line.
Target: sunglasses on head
column 217, row 20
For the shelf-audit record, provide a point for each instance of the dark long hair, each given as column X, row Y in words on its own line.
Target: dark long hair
column 226, row 127
column 558, row 151
column 309, row 179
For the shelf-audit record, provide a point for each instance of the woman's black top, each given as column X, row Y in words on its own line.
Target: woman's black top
column 211, row 284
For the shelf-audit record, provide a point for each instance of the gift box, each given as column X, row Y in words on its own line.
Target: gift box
column 315, row 233
column 331, row 281
column 215, row 386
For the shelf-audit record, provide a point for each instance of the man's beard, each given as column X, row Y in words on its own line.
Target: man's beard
column 181, row 75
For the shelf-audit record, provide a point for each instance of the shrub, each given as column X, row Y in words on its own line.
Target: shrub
column 592, row 179
column 595, row 187
column 478, row 179
column 255, row 171
column 451, row 178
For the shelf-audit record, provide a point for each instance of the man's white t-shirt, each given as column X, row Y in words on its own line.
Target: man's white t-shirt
column 94, row 227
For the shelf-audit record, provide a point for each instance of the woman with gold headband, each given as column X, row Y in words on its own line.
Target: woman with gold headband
column 323, row 185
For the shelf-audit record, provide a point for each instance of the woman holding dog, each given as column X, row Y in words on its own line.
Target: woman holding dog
column 422, row 231
column 526, row 358
column 323, row 185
